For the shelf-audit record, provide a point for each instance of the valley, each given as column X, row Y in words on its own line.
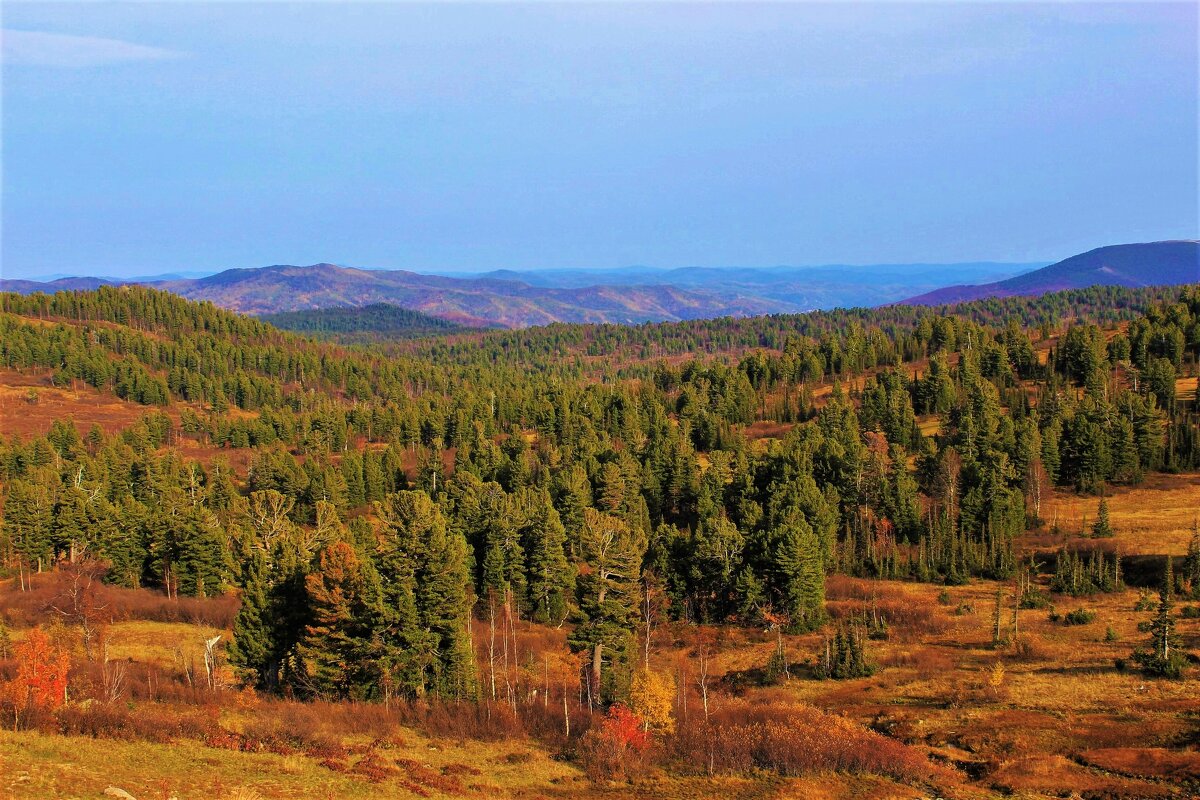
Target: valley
column 819, row 598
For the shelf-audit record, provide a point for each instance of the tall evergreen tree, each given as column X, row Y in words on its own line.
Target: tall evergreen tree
column 608, row 599
column 797, row 575
column 1163, row 656
column 337, row 651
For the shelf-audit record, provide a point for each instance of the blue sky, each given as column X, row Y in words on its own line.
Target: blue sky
column 147, row 138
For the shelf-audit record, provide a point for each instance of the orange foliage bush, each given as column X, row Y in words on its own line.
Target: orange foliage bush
column 40, row 684
column 795, row 740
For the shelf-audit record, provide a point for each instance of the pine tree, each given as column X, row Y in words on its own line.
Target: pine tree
column 28, row 522
column 252, row 649
column 1102, row 528
column 336, row 651
column 798, row 575
column 716, row 559
column 551, row 581
column 426, row 587
column 608, row 597
column 443, row 600
column 1164, row 656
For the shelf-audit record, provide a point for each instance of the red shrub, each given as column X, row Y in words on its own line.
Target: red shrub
column 617, row 747
column 794, row 740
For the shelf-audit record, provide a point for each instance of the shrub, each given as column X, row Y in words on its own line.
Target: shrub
column 790, row 740
column 1079, row 616
column 1033, row 597
column 40, row 684
column 617, row 748
column 1029, row 648
column 117, row 603
column 777, row 667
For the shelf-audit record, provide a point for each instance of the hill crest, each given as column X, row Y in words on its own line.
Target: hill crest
column 1141, row 264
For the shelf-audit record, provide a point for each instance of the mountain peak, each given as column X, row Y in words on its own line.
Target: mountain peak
column 1138, row 264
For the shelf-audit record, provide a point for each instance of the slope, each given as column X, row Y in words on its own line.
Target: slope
column 1145, row 264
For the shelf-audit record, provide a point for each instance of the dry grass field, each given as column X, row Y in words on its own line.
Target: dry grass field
column 1047, row 714
column 1154, row 518
column 83, row 403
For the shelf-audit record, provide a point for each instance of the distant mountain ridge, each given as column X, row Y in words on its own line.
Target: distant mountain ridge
column 1146, row 264
column 633, row 295
column 467, row 301
column 517, row 299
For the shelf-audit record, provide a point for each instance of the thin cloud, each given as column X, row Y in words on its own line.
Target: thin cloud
column 38, row 48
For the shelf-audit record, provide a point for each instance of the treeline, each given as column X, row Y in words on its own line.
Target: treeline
column 393, row 498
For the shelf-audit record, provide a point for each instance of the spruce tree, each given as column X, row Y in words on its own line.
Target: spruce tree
column 1102, row 528
column 443, row 600
column 252, row 649
column 798, row 575
column 426, row 587
column 1163, row 656
column 336, row 652
column 608, row 598
column 551, row 580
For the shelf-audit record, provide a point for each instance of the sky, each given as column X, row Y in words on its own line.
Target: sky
column 147, row 138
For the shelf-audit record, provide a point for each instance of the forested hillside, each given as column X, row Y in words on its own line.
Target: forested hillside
column 345, row 322
column 411, row 510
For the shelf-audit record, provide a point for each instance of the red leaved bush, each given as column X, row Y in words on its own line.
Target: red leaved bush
column 617, row 747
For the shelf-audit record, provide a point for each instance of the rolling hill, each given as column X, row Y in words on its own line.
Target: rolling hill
column 1147, row 264
column 379, row 318
column 467, row 301
column 515, row 299
column 631, row 295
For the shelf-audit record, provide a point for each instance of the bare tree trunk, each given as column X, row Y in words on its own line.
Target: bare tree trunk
column 597, row 661
column 492, row 642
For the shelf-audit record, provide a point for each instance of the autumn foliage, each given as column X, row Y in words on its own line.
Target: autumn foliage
column 616, row 749
column 41, row 680
column 652, row 697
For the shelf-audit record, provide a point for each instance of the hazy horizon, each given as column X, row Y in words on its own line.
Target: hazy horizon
column 190, row 273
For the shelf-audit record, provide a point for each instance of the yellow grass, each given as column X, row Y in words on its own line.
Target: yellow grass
column 930, row 425
column 40, row 766
column 1154, row 518
column 44, row 766
column 159, row 643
